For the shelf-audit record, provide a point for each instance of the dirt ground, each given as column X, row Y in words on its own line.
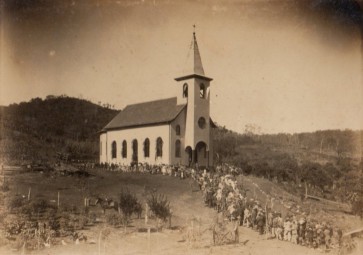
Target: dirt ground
column 191, row 223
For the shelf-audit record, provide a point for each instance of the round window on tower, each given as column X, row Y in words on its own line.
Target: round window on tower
column 201, row 122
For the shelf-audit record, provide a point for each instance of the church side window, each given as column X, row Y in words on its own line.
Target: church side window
column 202, row 91
column 185, row 90
column 177, row 129
column 135, row 150
column 100, row 148
column 124, row 149
column 159, row 147
column 147, row 148
column 177, row 148
column 113, row 149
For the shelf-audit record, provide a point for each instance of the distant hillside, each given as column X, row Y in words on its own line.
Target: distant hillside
column 329, row 161
column 322, row 144
column 38, row 129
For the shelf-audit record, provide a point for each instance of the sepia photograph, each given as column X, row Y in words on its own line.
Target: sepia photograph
column 181, row 127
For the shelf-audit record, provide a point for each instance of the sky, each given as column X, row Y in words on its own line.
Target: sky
column 281, row 65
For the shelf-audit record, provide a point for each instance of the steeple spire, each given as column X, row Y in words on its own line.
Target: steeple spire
column 198, row 67
column 194, row 63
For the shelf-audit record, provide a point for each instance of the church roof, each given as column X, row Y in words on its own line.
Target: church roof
column 148, row 113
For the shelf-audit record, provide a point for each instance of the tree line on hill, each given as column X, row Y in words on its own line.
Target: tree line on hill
column 328, row 162
column 38, row 129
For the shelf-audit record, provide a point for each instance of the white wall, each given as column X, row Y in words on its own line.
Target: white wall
column 139, row 133
column 179, row 120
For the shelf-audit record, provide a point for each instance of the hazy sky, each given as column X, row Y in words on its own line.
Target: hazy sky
column 286, row 66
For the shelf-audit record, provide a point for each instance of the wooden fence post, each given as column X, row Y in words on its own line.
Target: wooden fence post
column 266, row 219
column 29, row 193
column 146, row 213
column 148, row 239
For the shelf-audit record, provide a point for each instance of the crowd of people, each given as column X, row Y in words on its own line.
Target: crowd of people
column 222, row 192
column 143, row 168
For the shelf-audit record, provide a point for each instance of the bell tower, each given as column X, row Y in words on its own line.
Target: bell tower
column 195, row 92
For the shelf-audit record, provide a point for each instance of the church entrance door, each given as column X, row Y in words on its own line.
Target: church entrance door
column 201, row 154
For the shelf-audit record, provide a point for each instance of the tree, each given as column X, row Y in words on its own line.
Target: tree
column 128, row 205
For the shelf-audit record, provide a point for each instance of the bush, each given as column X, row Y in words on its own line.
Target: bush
column 115, row 219
column 13, row 226
column 16, row 202
column 160, row 206
column 68, row 223
column 92, row 217
column 128, row 203
column 5, row 187
column 40, row 205
column 357, row 207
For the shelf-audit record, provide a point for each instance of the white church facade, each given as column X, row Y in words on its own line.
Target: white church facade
column 175, row 131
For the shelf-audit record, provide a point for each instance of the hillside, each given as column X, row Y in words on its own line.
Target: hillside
column 331, row 172
column 38, row 129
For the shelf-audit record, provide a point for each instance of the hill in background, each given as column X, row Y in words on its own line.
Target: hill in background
column 327, row 163
column 39, row 129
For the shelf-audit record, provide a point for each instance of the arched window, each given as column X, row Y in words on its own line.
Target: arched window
column 113, row 149
column 124, row 149
column 202, row 91
column 202, row 122
column 177, row 129
column 147, row 148
column 185, row 90
column 159, row 147
column 177, row 148
column 100, row 148
column 135, row 155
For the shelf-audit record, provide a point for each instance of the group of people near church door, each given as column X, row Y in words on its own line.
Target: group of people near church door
column 222, row 192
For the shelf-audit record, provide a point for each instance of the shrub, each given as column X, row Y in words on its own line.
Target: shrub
column 16, row 202
column 128, row 203
column 92, row 216
column 40, row 205
column 13, row 226
column 357, row 207
column 115, row 219
column 5, row 187
column 160, row 206
column 68, row 223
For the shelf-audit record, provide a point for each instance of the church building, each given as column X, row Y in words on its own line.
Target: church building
column 173, row 131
